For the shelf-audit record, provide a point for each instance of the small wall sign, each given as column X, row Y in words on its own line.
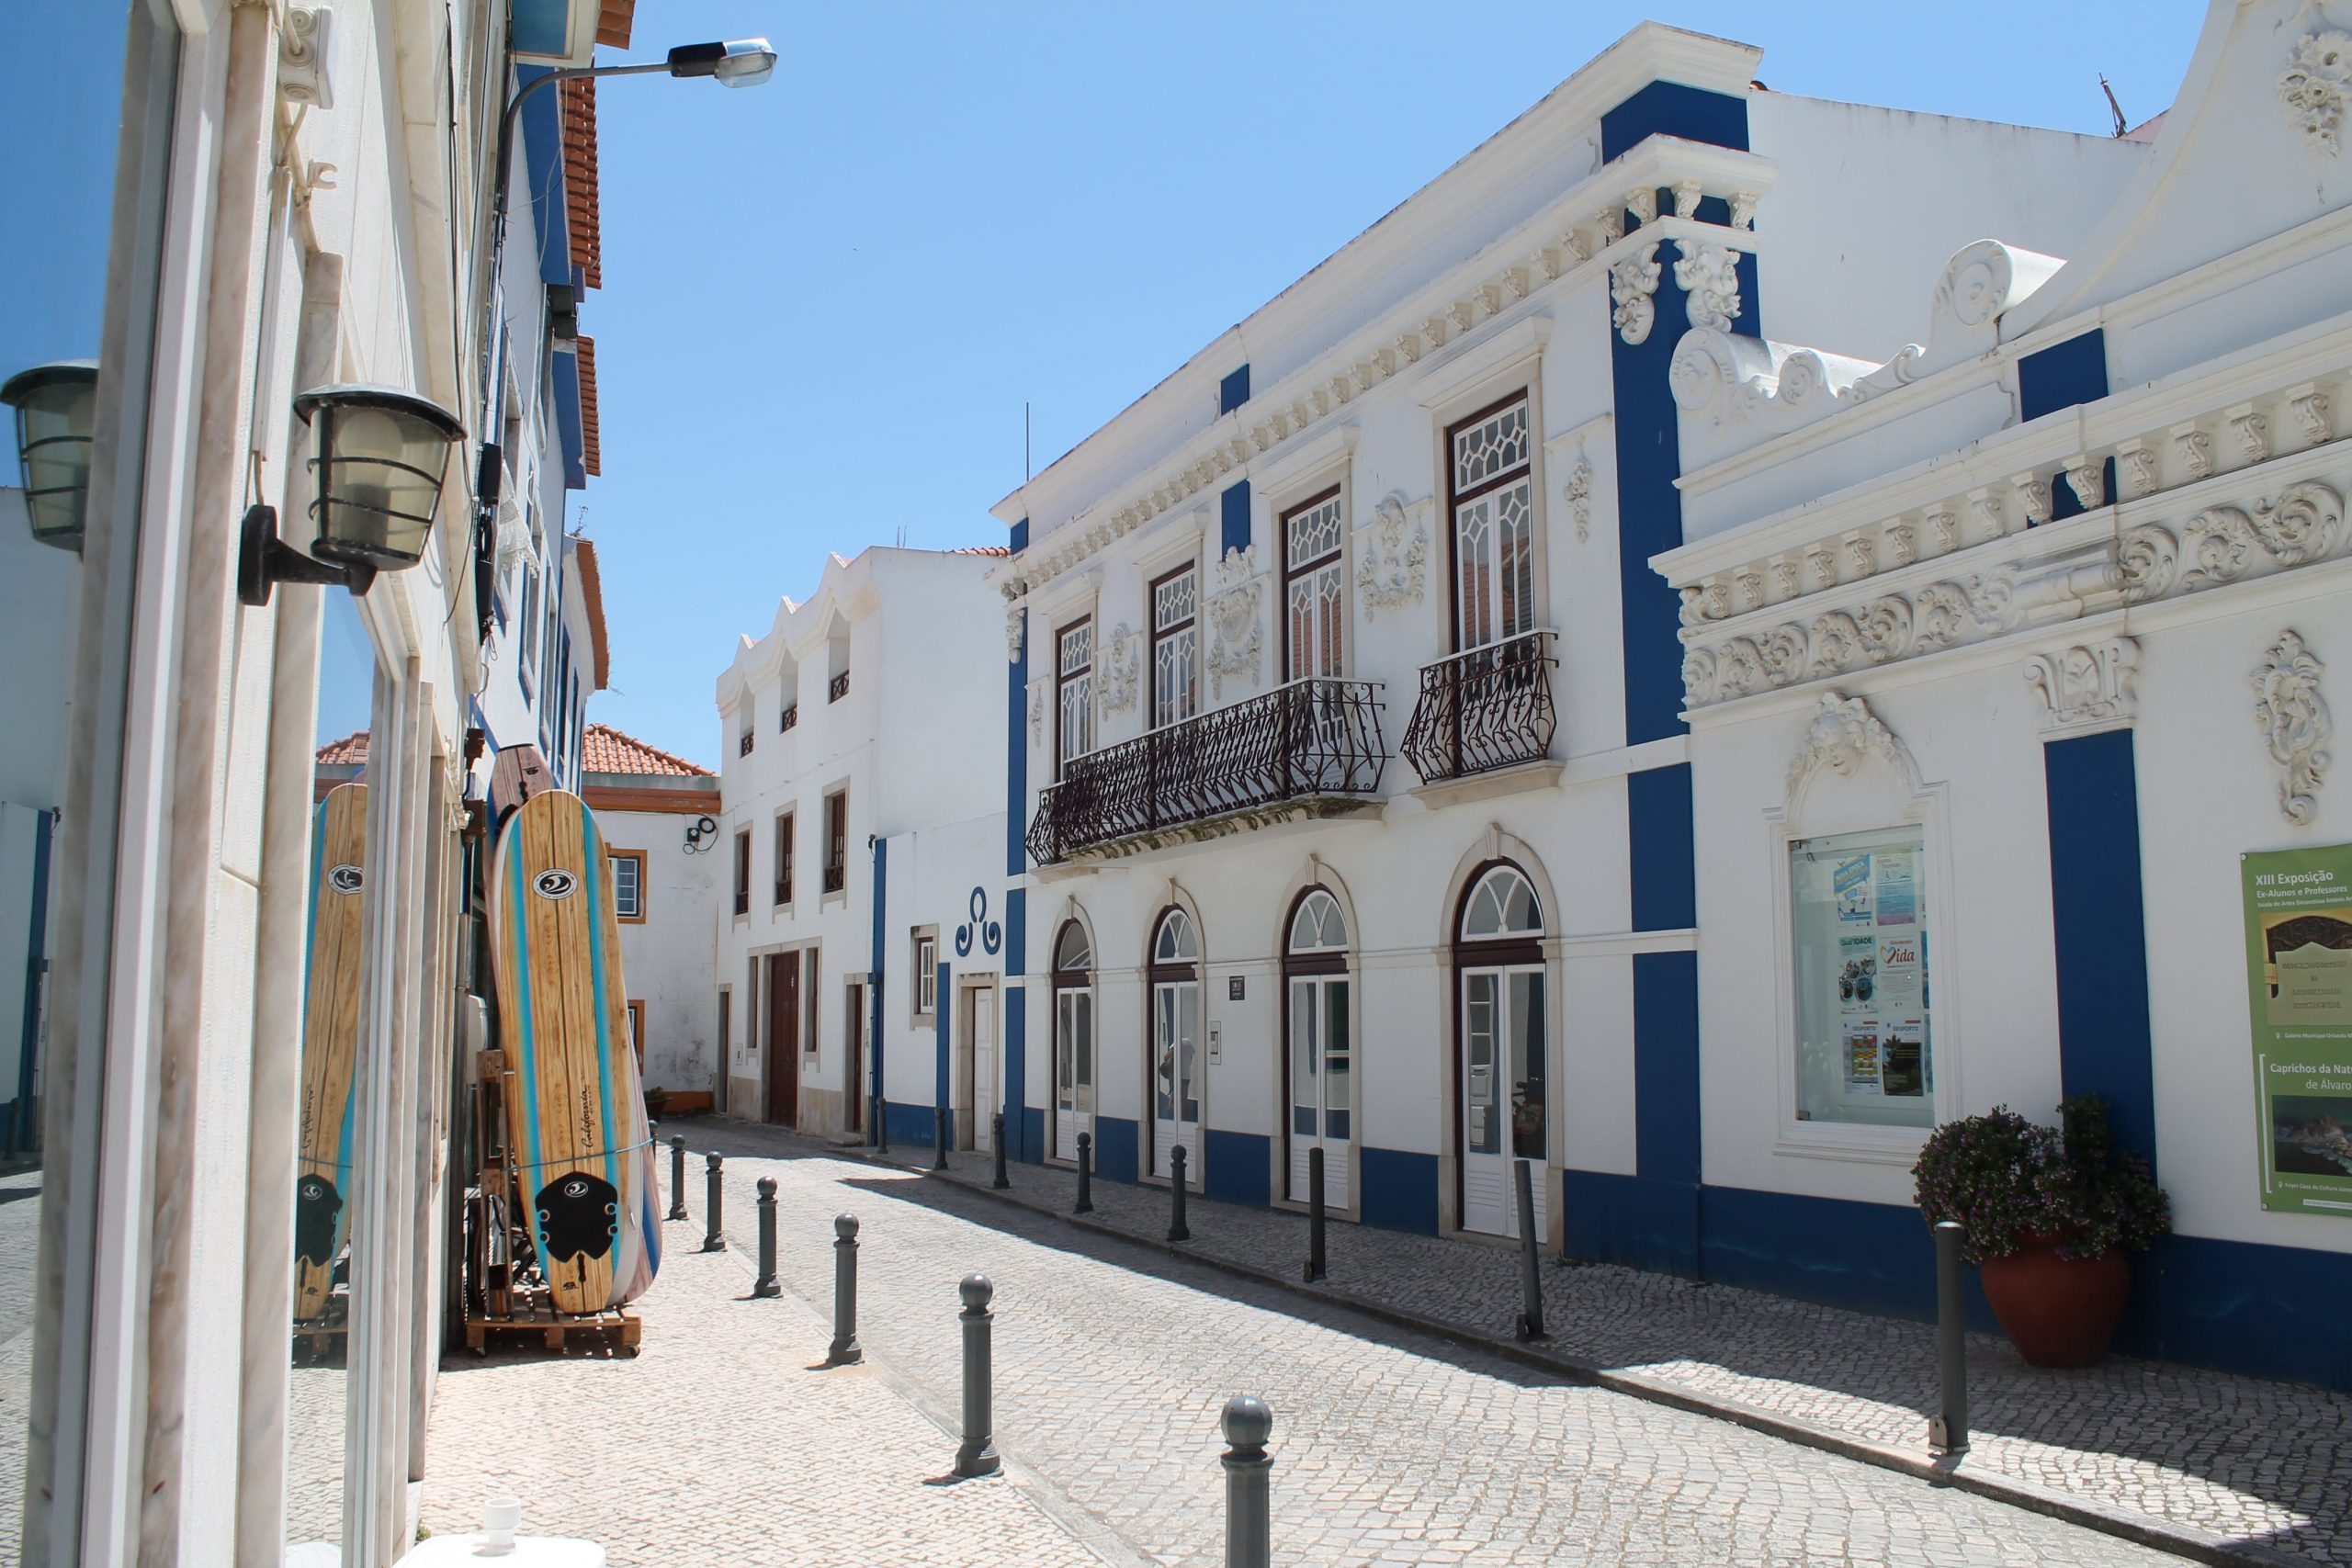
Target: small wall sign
column 1233, row 988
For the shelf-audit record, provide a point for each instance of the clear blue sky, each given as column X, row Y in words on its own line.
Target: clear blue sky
column 827, row 298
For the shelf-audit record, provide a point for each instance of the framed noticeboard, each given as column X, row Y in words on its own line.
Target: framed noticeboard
column 2298, row 980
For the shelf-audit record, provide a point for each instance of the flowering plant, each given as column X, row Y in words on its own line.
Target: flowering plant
column 2007, row 1180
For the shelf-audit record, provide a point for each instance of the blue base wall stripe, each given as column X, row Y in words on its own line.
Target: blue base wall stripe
column 1666, row 879
column 1033, row 1135
column 1397, row 1189
column 1115, row 1146
column 2099, row 931
column 1239, row 1166
column 912, row 1124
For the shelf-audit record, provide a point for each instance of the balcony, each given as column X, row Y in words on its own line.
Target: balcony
column 1310, row 748
column 1483, row 710
column 744, row 744
column 839, row 688
column 791, row 718
column 836, row 873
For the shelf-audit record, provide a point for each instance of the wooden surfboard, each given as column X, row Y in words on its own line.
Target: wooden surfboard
column 575, row 1109
column 332, row 964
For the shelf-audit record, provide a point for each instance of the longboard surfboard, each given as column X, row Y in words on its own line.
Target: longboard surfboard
column 575, row 1109
column 332, row 964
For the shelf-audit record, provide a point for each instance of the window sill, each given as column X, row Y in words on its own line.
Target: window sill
column 1518, row 779
column 833, row 901
column 1856, row 1144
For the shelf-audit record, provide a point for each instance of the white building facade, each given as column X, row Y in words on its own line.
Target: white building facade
column 659, row 816
column 862, row 774
column 2007, row 662
column 1342, row 706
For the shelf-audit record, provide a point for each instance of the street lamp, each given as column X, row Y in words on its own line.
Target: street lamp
column 379, row 454
column 736, row 62
column 55, row 405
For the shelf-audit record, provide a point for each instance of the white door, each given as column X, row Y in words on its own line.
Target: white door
column 1176, row 1075
column 984, row 1095
column 1321, row 1083
column 1503, row 1095
column 1073, row 1069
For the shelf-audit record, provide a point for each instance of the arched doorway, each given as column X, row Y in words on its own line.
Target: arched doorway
column 1176, row 1060
column 1073, row 1038
column 1318, row 1045
column 1501, row 1046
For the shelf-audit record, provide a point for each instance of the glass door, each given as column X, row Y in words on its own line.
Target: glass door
column 1503, row 1100
column 1176, row 1066
column 1073, row 1070
column 1321, row 1061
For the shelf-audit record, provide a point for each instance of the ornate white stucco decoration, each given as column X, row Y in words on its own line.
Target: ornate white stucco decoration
column 1577, row 493
column 1844, row 735
column 1388, row 565
column 1121, row 658
column 1012, row 622
column 1037, row 714
column 2316, row 87
column 1709, row 276
column 2086, row 685
column 1632, row 285
column 2301, row 525
column 2295, row 723
column 1233, row 617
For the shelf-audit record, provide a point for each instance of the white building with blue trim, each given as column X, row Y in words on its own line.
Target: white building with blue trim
column 2029, row 625
column 1344, row 713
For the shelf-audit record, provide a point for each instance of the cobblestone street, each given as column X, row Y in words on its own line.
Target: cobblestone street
column 1389, row 1447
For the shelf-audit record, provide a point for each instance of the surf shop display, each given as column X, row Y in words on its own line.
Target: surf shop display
column 330, row 973
column 574, row 1123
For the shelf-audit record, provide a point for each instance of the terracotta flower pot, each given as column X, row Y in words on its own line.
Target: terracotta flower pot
column 2058, row 1312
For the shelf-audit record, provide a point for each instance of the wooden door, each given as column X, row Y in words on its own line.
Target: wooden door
column 783, row 1038
column 854, row 1073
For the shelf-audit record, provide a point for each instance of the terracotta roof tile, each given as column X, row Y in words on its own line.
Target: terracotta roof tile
column 592, row 446
column 981, row 550
column 583, row 211
column 613, row 20
column 607, row 751
column 350, row 750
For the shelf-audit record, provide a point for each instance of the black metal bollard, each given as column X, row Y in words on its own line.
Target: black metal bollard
column 1948, row 1430
column 1247, row 1470
column 1315, row 1213
column 996, row 1135
column 678, row 1177
column 715, row 1240
column 765, row 1285
column 939, row 1137
column 1177, row 1229
column 1085, row 1174
column 845, row 1350
column 977, row 1455
column 1531, row 1316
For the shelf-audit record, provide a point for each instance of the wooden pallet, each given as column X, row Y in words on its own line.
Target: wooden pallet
column 616, row 1329
column 317, row 1335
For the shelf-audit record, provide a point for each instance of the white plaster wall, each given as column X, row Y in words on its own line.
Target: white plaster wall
column 1870, row 203
column 2209, row 794
column 670, row 959
column 932, row 872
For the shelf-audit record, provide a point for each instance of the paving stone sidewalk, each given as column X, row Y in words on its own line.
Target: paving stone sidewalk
column 722, row 1444
column 1391, row 1447
column 2261, row 1466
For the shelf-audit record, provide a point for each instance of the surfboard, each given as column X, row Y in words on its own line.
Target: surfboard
column 331, row 969
column 575, row 1109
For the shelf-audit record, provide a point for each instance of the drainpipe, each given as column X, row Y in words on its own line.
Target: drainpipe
column 877, row 1107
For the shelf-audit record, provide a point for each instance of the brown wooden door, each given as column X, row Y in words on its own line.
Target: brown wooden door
column 783, row 1038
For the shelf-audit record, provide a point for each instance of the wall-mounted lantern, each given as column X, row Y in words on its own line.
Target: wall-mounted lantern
column 56, row 405
column 378, row 454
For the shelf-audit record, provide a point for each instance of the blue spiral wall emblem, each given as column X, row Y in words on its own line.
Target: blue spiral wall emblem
column 991, row 935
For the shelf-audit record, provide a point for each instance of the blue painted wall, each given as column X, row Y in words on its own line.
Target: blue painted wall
column 875, row 1086
column 1398, row 1189
column 1669, row 108
column 1234, row 530
column 1666, row 881
column 2062, row 375
column 1239, row 1164
column 910, row 1124
column 1017, row 1115
column 2099, row 931
column 1115, row 1147
column 1234, row 390
column 941, row 1019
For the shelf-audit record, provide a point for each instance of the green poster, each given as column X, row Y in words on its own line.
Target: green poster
column 2299, row 970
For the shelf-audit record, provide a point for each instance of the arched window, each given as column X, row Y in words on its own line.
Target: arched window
column 1073, row 1037
column 1503, row 1053
column 1176, row 943
column 1318, row 926
column 1319, row 1048
column 1501, row 906
column 1175, row 1046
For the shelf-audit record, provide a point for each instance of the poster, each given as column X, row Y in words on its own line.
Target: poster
column 1861, row 1058
column 2299, row 977
column 1897, row 888
column 1850, row 882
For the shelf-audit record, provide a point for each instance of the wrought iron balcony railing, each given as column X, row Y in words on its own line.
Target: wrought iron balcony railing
column 1484, row 709
column 1310, row 739
column 839, row 688
column 791, row 718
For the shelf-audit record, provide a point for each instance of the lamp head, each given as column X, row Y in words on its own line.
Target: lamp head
column 56, row 406
column 737, row 62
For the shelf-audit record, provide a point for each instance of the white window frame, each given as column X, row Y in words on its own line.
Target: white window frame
column 1182, row 634
column 922, row 990
column 1322, row 574
column 1073, row 692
